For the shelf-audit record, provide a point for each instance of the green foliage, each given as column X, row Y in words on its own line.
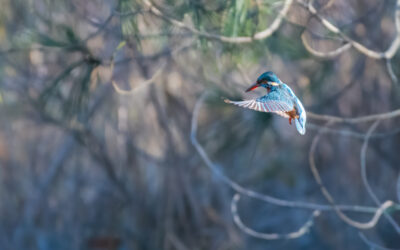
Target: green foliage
column 120, row 45
column 66, row 37
column 70, row 35
column 129, row 27
column 52, row 91
column 246, row 17
column 235, row 21
column 78, row 97
column 264, row 11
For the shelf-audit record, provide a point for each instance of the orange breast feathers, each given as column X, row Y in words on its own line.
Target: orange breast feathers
column 292, row 113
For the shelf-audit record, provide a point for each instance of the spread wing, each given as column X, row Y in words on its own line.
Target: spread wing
column 273, row 102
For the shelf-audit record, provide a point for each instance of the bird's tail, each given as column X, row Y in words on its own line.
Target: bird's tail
column 301, row 121
column 300, row 127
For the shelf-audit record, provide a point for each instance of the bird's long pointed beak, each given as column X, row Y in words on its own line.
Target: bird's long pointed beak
column 253, row 87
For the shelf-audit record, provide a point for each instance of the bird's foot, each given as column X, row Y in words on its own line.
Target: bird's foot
column 290, row 121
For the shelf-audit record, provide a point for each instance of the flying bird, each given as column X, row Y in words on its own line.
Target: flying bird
column 280, row 99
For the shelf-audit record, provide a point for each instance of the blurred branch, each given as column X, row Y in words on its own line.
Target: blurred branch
column 99, row 153
column 32, row 208
column 349, row 133
column 398, row 188
column 337, row 208
column 250, row 193
column 24, row 50
column 100, row 29
column 389, row 53
column 175, row 242
column 337, row 119
column 327, row 5
column 367, row 118
column 270, row 236
column 141, row 85
column 240, row 39
column 365, row 178
column 389, row 68
column 160, row 69
column 329, row 54
column 371, row 244
column 334, row 98
column 85, row 137
column 244, row 74
column 360, row 225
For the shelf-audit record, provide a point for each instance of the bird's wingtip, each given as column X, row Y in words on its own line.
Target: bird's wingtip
column 301, row 128
column 227, row 100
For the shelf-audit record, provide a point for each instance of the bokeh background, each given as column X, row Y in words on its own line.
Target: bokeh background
column 96, row 102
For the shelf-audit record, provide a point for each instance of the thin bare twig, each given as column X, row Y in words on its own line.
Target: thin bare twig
column 398, row 188
column 250, row 193
column 133, row 89
column 329, row 54
column 387, row 54
column 391, row 73
column 327, row 5
column 367, row 118
column 146, row 83
column 270, row 236
column 349, row 133
column 360, row 225
column 337, row 119
column 100, row 29
column 373, row 245
column 239, row 39
column 365, row 178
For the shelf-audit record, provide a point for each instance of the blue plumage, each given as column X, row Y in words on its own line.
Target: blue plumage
column 280, row 100
column 268, row 76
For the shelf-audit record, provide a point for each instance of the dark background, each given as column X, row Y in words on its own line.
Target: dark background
column 96, row 102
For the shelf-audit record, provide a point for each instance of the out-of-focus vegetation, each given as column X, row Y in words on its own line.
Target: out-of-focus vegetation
column 96, row 101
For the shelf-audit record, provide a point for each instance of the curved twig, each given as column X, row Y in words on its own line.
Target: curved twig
column 389, row 53
column 337, row 119
column 100, row 29
column 364, row 174
column 349, row 133
column 367, row 118
column 143, row 84
column 391, row 73
column 239, row 39
column 327, row 5
column 250, row 193
column 329, row 54
column 393, row 48
column 360, row 225
column 269, row 236
column 160, row 69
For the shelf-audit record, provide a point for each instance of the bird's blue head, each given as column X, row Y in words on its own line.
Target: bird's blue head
column 267, row 80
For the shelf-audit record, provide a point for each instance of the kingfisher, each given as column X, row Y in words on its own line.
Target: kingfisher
column 280, row 100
